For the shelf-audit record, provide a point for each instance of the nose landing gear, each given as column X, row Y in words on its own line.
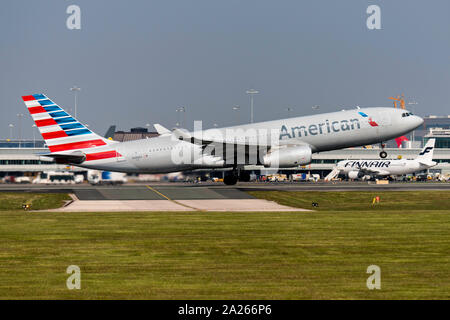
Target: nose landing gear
column 383, row 154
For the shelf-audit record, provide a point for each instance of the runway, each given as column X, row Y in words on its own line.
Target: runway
column 174, row 197
column 198, row 197
column 205, row 191
column 167, row 198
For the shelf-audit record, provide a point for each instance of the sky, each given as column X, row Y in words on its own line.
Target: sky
column 136, row 61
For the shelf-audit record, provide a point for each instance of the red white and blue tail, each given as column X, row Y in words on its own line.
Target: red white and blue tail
column 61, row 131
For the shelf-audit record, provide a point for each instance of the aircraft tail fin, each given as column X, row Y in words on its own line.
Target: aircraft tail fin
column 426, row 155
column 60, row 130
column 110, row 132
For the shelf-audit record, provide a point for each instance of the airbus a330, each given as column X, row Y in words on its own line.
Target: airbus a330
column 278, row 143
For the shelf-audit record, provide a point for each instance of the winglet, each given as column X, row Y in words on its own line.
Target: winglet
column 180, row 134
column 160, row 129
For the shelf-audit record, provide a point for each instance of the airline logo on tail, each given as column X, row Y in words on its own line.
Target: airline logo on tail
column 426, row 156
column 426, row 150
column 61, row 131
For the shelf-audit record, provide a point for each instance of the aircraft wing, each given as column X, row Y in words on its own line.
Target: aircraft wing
column 205, row 138
column 236, row 148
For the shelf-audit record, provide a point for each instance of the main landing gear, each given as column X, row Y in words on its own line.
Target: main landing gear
column 383, row 154
column 232, row 177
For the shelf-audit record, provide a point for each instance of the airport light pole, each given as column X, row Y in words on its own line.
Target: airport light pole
column 251, row 92
column 11, row 126
column 75, row 89
column 289, row 109
column 182, row 118
column 236, row 108
column 34, row 135
column 20, row 116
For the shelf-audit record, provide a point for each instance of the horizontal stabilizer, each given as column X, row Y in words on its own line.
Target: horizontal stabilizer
column 428, row 163
column 76, row 157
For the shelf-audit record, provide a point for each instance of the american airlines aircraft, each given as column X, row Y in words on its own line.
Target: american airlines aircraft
column 357, row 169
column 278, row 144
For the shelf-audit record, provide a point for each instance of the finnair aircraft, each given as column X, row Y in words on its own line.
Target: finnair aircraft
column 278, row 144
column 357, row 169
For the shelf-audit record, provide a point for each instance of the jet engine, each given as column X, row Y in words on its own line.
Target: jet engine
column 355, row 175
column 288, row 157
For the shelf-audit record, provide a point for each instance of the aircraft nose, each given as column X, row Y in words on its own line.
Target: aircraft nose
column 418, row 121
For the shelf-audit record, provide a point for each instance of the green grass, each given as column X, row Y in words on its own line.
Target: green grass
column 37, row 201
column 202, row 255
column 360, row 200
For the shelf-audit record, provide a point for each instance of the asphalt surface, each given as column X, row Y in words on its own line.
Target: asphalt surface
column 136, row 192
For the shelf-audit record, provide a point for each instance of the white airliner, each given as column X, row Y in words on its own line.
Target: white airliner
column 279, row 143
column 357, row 169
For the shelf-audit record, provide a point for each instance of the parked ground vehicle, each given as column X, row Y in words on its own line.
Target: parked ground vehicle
column 58, row 177
column 23, row 179
column 304, row 177
column 106, row 177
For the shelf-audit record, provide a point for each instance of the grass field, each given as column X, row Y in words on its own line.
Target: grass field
column 36, row 201
column 360, row 200
column 197, row 255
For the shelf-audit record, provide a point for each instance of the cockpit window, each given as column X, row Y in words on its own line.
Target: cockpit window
column 406, row 114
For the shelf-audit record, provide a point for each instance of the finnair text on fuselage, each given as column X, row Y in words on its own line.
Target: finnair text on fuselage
column 368, row 164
